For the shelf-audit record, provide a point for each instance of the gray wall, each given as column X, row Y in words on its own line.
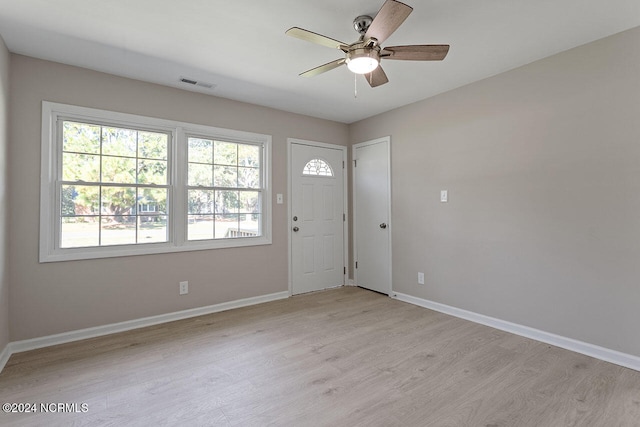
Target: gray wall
column 542, row 164
column 57, row 297
column 542, row 228
column 4, row 136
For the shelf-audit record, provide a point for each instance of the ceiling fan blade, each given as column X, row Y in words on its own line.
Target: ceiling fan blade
column 377, row 77
column 391, row 15
column 312, row 37
column 418, row 52
column 323, row 68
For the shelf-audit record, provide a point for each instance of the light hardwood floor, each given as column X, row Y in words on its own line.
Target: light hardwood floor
column 344, row 357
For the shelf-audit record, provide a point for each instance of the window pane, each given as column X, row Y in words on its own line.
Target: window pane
column 225, row 153
column 119, row 142
column 79, row 231
column 249, row 155
column 152, row 201
column 120, row 170
column 249, row 225
column 249, row 202
column 152, row 145
column 117, row 230
column 152, row 228
column 118, row 201
column 225, row 176
column 80, row 167
column 200, row 227
column 152, row 172
column 227, row 202
column 200, row 175
column 226, row 226
column 79, row 200
column 200, row 202
column 80, row 138
column 200, row 150
column 248, row 178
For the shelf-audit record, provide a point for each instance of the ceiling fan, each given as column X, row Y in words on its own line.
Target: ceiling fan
column 363, row 56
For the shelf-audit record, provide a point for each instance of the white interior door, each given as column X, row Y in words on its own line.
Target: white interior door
column 317, row 217
column 372, row 212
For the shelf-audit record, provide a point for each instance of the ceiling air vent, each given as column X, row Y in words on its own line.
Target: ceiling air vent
column 197, row 83
column 186, row 80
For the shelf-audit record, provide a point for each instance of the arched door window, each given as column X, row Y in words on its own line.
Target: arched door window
column 317, row 167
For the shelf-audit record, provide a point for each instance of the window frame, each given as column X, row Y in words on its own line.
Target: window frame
column 213, row 187
column 50, row 203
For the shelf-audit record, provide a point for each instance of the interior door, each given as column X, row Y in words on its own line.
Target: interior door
column 372, row 212
column 317, row 217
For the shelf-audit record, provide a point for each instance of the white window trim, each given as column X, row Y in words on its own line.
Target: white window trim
column 178, row 242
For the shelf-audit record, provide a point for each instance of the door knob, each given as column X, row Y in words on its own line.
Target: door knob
column 295, row 218
column 296, row 229
column 383, row 225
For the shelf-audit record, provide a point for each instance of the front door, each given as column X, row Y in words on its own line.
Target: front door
column 317, row 216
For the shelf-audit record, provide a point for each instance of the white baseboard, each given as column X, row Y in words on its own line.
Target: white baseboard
column 81, row 334
column 5, row 354
column 602, row 353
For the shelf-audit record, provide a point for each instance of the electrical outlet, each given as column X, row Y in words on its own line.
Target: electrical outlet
column 420, row 278
column 184, row 288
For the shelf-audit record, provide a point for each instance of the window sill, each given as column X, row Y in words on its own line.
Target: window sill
column 77, row 254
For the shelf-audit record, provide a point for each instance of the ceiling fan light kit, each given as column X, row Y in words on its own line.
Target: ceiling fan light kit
column 362, row 60
column 364, row 56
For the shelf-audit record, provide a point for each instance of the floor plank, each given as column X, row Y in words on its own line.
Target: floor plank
column 343, row 357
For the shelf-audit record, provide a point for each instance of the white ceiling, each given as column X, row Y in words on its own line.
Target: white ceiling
column 240, row 45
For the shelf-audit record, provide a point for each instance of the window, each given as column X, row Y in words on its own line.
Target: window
column 317, row 167
column 110, row 178
column 224, row 189
column 117, row 184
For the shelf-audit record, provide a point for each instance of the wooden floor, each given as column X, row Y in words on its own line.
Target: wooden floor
column 344, row 357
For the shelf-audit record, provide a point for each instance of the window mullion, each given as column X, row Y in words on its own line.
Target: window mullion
column 178, row 197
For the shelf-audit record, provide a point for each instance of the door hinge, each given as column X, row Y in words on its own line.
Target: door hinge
column 356, row 264
column 345, row 270
column 343, row 164
column 355, row 163
column 344, row 217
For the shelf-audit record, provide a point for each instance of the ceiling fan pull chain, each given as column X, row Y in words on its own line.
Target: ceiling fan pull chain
column 355, row 86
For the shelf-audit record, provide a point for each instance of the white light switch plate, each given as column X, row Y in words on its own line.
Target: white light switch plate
column 444, row 196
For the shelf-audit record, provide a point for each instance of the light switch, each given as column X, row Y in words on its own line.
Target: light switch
column 279, row 199
column 444, row 196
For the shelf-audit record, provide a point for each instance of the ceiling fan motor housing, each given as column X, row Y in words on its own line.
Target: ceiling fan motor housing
column 361, row 23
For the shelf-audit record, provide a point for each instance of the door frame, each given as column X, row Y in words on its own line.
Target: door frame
column 387, row 140
column 345, row 202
